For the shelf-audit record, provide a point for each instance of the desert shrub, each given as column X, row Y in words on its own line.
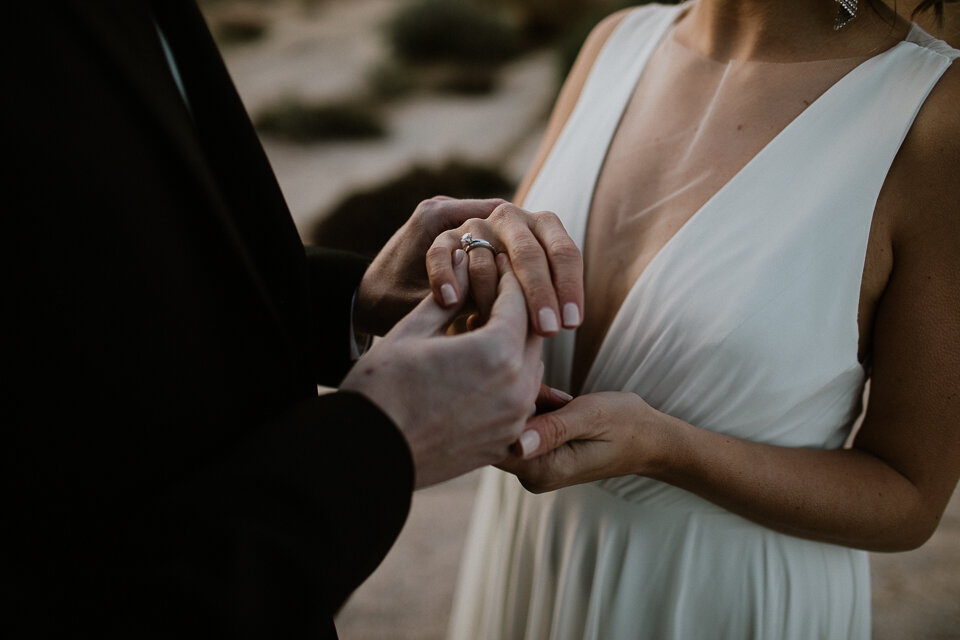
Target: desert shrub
column 543, row 21
column 394, row 79
column 452, row 30
column 468, row 79
column 300, row 121
column 238, row 29
column 569, row 43
column 364, row 221
column 571, row 37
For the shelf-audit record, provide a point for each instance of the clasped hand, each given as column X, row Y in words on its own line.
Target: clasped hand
column 466, row 401
column 545, row 260
column 595, row 436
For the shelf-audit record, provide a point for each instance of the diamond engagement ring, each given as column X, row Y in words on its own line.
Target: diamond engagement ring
column 468, row 242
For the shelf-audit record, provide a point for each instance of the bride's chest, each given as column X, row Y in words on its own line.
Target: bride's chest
column 676, row 147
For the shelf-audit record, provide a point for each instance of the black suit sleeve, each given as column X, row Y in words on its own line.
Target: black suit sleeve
column 271, row 540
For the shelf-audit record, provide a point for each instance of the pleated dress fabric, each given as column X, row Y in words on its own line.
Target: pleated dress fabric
column 744, row 323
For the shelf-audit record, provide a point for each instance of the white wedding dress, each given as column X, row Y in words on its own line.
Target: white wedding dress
column 744, row 323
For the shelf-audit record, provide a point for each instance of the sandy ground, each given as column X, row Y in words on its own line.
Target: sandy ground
column 325, row 53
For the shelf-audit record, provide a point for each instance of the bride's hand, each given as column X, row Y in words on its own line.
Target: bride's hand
column 545, row 259
column 594, row 436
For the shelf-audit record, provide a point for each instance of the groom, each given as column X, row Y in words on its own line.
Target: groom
column 168, row 465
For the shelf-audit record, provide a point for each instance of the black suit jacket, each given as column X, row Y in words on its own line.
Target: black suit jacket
column 167, row 463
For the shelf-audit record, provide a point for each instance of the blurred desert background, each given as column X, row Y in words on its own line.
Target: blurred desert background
column 366, row 107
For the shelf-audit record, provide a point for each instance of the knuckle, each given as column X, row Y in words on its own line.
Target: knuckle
column 437, row 214
column 555, row 432
column 500, row 357
column 525, row 249
column 564, row 251
column 476, row 226
column 429, row 208
column 546, row 219
column 437, row 255
column 504, row 210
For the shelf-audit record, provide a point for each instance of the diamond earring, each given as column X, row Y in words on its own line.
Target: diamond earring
column 845, row 13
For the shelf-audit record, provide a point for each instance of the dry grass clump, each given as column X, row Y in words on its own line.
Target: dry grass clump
column 428, row 31
column 364, row 221
column 297, row 120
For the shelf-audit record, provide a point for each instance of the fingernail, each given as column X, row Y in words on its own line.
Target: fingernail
column 563, row 395
column 571, row 315
column 458, row 256
column 448, row 293
column 548, row 320
column 529, row 442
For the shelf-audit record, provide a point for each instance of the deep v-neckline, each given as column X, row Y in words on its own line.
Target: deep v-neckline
column 808, row 113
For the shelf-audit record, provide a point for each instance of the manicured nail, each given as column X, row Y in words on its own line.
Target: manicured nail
column 449, row 295
column 563, row 395
column 548, row 320
column 571, row 315
column 458, row 256
column 529, row 442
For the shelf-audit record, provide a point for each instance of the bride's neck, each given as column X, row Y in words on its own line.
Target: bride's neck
column 786, row 30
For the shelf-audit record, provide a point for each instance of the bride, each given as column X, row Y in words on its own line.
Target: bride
column 765, row 193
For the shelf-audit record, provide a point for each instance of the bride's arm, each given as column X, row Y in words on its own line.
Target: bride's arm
column 889, row 490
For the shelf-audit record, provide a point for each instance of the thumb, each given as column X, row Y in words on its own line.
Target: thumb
column 547, row 431
column 428, row 318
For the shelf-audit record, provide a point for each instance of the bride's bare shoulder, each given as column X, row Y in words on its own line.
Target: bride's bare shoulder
column 937, row 125
column 923, row 181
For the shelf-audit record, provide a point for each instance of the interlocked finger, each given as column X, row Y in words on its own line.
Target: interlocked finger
column 547, row 263
column 481, row 260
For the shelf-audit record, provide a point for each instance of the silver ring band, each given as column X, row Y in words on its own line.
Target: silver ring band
column 468, row 242
column 480, row 243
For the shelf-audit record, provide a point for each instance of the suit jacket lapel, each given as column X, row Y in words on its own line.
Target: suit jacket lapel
column 126, row 31
column 236, row 157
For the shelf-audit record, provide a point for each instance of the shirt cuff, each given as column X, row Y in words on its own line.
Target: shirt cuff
column 359, row 341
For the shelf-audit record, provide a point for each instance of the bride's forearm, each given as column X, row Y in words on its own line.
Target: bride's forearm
column 847, row 497
column 885, row 494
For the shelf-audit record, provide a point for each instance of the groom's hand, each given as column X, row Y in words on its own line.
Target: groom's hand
column 419, row 259
column 461, row 401
column 397, row 280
